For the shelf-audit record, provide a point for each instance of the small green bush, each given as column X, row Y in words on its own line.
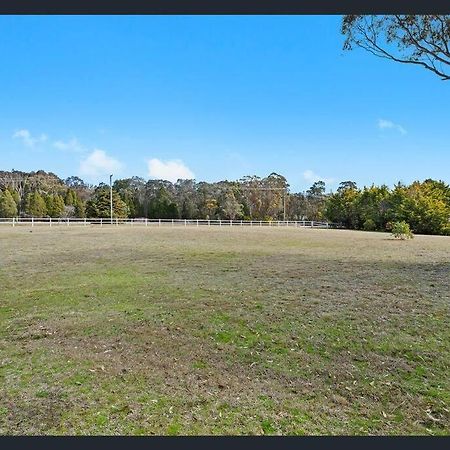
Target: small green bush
column 401, row 230
column 369, row 225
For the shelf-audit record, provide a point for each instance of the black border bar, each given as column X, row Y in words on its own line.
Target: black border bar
column 233, row 442
column 224, row 7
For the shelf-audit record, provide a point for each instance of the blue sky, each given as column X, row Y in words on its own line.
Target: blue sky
column 214, row 97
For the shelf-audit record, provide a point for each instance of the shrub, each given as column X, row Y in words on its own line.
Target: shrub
column 369, row 225
column 401, row 230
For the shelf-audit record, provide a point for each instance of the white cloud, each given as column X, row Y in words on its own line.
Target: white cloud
column 99, row 163
column 73, row 145
column 169, row 170
column 312, row 177
column 28, row 139
column 387, row 124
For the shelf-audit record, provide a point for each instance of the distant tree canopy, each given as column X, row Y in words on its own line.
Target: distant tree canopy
column 425, row 206
column 421, row 40
column 99, row 205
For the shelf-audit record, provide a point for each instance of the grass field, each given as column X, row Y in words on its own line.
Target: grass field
column 223, row 331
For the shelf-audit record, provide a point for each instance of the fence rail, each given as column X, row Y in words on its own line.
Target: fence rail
column 47, row 221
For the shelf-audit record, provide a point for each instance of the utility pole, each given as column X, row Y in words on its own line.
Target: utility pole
column 110, row 198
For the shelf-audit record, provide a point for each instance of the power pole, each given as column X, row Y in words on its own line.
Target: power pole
column 110, row 198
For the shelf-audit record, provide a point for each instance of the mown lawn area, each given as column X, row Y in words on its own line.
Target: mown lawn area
column 223, row 331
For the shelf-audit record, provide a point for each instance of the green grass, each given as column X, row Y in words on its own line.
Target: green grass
column 223, row 331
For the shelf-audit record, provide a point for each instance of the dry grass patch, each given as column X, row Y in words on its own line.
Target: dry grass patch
column 223, row 331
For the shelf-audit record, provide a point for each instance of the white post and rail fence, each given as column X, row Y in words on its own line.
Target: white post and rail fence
column 116, row 222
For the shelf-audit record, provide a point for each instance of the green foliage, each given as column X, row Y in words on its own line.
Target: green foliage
column 401, row 230
column 80, row 209
column 161, row 206
column 35, row 205
column 49, row 204
column 55, row 205
column 58, row 206
column 424, row 206
column 71, row 197
column 15, row 195
column 317, row 189
column 341, row 206
column 371, row 205
column 261, row 197
column 133, row 207
column 427, row 207
column 231, row 208
column 132, row 193
column 8, row 207
column 72, row 200
column 315, row 201
column 99, row 204
column 369, row 225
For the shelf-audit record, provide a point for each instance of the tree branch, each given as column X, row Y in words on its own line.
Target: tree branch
column 422, row 52
column 418, row 45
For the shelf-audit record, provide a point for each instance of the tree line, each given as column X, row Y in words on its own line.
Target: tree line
column 425, row 206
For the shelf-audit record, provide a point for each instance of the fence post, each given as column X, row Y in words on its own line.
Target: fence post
column 197, row 222
column 220, row 223
column 85, row 221
column 251, row 223
column 172, row 222
column 185, row 222
column 32, row 221
column 159, row 222
column 67, row 221
column 50, row 221
column 101, row 222
column 13, row 221
column 312, row 223
column 209, row 223
column 241, row 223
